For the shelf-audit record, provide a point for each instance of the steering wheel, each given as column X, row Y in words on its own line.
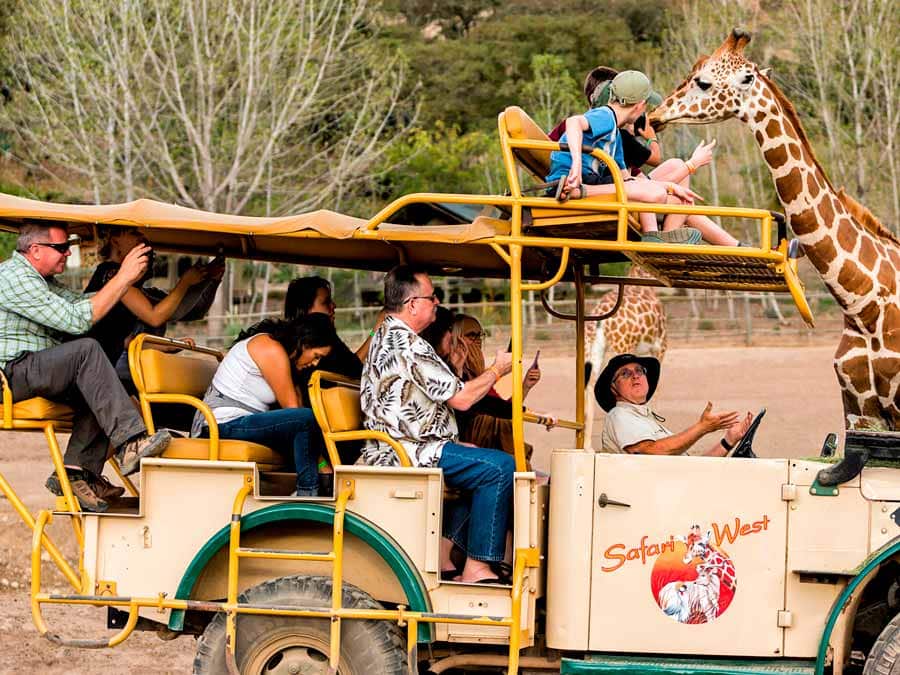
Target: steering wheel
column 744, row 447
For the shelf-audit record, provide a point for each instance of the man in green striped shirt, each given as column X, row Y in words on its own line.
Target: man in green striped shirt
column 40, row 356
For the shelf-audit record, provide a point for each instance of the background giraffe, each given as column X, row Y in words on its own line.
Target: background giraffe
column 857, row 257
column 638, row 327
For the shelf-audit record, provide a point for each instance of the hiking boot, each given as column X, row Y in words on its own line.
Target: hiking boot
column 132, row 452
column 87, row 498
column 103, row 488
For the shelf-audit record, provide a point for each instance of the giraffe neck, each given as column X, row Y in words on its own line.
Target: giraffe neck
column 831, row 239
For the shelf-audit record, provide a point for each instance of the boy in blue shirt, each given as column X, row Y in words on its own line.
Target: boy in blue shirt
column 599, row 128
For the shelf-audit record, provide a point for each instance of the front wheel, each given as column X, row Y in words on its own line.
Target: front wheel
column 883, row 657
column 272, row 645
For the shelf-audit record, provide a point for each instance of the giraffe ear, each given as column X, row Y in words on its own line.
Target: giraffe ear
column 766, row 73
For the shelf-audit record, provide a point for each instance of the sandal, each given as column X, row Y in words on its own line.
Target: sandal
column 498, row 581
column 450, row 575
column 563, row 195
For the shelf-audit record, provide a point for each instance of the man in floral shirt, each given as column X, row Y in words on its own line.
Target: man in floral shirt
column 409, row 393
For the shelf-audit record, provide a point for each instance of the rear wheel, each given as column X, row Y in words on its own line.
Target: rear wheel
column 276, row 645
column 884, row 657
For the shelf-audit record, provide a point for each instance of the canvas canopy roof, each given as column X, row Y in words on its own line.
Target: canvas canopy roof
column 316, row 238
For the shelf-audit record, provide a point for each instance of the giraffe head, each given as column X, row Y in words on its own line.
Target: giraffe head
column 718, row 88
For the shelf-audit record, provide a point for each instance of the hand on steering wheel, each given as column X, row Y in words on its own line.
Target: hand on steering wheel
column 744, row 447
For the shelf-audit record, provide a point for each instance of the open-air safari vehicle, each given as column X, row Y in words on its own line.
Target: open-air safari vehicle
column 623, row 563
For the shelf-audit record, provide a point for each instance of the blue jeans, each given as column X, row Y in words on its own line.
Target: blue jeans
column 478, row 526
column 291, row 432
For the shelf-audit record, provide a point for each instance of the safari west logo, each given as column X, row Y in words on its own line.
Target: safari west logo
column 693, row 579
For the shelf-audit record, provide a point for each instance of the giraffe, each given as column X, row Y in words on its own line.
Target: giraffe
column 638, row 327
column 857, row 258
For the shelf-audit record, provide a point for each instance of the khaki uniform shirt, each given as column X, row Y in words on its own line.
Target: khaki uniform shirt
column 629, row 423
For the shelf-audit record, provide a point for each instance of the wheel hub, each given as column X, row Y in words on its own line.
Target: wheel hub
column 296, row 660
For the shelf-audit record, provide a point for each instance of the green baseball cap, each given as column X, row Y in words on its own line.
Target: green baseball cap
column 632, row 86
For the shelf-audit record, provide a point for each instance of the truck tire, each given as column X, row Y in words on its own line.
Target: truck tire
column 268, row 645
column 884, row 657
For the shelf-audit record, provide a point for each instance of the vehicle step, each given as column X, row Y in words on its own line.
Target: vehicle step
column 284, row 554
column 618, row 664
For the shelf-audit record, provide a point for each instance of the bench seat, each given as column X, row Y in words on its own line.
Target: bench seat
column 37, row 409
column 183, row 377
column 229, row 451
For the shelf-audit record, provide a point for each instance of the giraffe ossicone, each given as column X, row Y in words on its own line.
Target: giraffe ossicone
column 857, row 257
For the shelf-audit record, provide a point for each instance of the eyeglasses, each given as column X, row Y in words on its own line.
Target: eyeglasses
column 433, row 298
column 62, row 247
column 628, row 373
column 478, row 336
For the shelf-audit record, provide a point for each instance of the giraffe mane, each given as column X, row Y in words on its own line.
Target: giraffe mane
column 865, row 217
column 858, row 212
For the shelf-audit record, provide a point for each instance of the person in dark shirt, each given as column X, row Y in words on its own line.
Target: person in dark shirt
column 312, row 295
column 143, row 309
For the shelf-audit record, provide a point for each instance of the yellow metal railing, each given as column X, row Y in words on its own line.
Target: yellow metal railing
column 525, row 558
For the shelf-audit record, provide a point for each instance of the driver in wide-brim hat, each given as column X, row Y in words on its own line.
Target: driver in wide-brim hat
column 624, row 390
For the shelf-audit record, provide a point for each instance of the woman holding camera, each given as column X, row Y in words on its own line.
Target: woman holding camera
column 115, row 330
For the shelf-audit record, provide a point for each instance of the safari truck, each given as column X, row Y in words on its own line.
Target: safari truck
column 621, row 564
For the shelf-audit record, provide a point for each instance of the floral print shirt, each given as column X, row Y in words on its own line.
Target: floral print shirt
column 404, row 391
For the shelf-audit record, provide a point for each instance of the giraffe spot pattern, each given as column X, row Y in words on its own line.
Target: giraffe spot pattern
column 789, row 186
column 848, row 344
column 856, row 370
column 846, row 234
column 812, row 185
column 885, row 370
column 796, row 153
column 760, row 116
column 868, row 316
column 887, row 277
column 776, row 157
column 821, row 253
column 773, row 129
column 868, row 256
column 826, row 212
column 891, row 328
column 854, row 279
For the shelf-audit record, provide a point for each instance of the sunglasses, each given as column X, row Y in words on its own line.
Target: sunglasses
column 431, row 297
column 628, row 373
column 475, row 335
column 62, row 247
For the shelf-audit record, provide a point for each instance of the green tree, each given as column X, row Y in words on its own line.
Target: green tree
column 240, row 106
column 442, row 159
column 552, row 94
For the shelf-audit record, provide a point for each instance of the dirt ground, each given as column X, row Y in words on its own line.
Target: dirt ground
column 796, row 385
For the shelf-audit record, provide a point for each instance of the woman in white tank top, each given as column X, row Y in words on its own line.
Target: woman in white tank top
column 259, row 372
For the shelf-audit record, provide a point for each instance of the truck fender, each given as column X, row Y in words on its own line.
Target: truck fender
column 379, row 541
column 861, row 574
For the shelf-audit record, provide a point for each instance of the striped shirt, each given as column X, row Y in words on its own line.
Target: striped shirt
column 36, row 313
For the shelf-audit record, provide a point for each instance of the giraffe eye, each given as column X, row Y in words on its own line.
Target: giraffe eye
column 748, row 79
column 703, row 84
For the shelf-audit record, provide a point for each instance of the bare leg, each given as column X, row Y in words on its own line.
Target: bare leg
column 710, row 230
column 647, row 191
column 676, row 170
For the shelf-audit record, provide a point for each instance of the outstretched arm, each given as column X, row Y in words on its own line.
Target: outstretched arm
column 678, row 443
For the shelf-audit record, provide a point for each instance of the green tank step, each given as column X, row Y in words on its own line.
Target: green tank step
column 618, row 664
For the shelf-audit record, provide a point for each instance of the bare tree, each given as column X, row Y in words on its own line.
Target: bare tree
column 224, row 105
